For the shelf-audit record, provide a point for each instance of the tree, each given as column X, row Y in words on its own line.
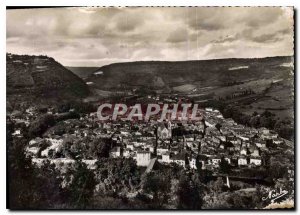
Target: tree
column 224, row 166
column 285, row 129
column 179, row 131
column 198, row 164
column 218, row 126
column 31, row 187
column 39, row 126
column 159, row 185
column 189, row 194
column 104, row 147
column 186, row 159
column 81, row 188
column 277, row 169
column 48, row 184
column 123, row 172
column 43, row 145
column 254, row 121
column 21, row 175
column 217, row 186
column 100, row 148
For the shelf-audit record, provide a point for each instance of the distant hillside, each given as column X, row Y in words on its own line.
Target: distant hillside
column 82, row 72
column 252, row 85
column 165, row 75
column 41, row 77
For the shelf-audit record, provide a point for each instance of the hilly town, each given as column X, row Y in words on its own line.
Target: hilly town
column 150, row 108
column 216, row 149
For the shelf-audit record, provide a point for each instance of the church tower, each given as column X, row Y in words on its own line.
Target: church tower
column 164, row 130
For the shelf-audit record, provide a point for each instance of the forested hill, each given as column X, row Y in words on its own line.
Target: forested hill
column 167, row 75
column 42, row 77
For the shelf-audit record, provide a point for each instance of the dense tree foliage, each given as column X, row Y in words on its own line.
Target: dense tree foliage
column 117, row 175
column 224, row 166
column 82, row 186
column 158, row 184
column 31, row 186
column 40, row 125
column 189, row 193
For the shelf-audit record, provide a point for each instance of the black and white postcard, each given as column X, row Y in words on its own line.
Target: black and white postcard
column 150, row 108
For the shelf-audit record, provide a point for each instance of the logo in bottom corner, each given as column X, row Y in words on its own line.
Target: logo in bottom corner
column 275, row 195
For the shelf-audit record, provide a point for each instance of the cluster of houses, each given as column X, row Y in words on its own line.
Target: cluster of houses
column 186, row 143
column 208, row 142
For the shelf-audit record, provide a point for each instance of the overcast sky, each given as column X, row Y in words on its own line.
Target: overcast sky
column 99, row 36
